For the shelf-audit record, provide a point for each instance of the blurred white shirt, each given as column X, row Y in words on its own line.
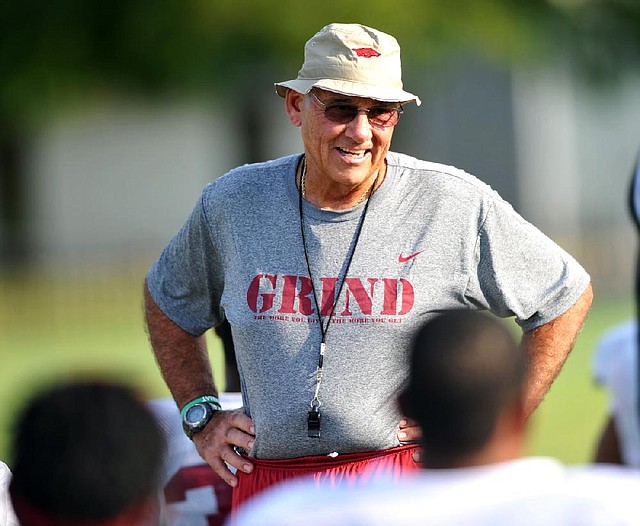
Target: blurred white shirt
column 525, row 492
column 615, row 366
column 7, row 516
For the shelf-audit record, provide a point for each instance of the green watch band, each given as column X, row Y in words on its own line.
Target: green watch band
column 207, row 398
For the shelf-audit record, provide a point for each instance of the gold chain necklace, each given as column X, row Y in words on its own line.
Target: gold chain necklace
column 302, row 185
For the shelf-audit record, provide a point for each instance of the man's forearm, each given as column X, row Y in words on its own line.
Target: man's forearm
column 548, row 347
column 183, row 358
column 185, row 366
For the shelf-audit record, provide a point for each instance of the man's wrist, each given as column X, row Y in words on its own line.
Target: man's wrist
column 212, row 399
column 197, row 413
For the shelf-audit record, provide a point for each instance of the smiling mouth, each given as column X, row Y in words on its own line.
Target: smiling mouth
column 356, row 154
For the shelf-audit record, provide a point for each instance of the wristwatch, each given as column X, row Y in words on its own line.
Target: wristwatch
column 197, row 416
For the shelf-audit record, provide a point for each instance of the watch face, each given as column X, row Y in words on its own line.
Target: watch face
column 195, row 414
column 197, row 417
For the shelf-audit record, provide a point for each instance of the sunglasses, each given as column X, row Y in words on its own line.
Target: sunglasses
column 343, row 113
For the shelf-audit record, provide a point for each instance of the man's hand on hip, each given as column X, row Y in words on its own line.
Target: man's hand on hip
column 216, row 442
column 410, row 431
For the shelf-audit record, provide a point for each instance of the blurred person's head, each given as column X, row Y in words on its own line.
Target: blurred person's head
column 466, row 390
column 86, row 453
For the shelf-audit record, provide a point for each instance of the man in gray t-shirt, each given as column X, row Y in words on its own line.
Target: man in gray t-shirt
column 325, row 263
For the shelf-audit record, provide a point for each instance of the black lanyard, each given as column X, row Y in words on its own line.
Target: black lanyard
column 313, row 420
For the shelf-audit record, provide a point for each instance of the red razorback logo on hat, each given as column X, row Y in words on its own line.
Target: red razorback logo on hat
column 366, row 52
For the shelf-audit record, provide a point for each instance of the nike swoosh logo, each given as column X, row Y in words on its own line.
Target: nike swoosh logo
column 404, row 259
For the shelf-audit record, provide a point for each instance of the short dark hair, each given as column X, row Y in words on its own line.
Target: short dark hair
column 465, row 367
column 85, row 450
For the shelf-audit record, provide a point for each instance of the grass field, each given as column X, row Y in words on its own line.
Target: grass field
column 92, row 323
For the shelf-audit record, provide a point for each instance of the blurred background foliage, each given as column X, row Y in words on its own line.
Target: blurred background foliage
column 65, row 51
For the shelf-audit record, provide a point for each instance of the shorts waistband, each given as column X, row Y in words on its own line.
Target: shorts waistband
column 329, row 461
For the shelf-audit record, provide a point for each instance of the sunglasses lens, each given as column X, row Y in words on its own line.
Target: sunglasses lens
column 383, row 116
column 345, row 113
column 341, row 113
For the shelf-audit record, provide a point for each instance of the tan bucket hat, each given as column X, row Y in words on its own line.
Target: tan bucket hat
column 353, row 60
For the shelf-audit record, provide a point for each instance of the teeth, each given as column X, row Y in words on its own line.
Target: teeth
column 357, row 153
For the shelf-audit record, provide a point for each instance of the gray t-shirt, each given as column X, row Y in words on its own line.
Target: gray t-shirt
column 434, row 238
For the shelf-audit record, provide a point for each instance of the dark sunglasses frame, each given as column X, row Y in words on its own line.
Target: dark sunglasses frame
column 344, row 113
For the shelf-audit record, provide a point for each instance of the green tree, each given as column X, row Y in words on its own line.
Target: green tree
column 57, row 54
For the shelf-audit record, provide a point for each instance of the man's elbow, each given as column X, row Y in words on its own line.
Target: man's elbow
column 573, row 319
column 584, row 302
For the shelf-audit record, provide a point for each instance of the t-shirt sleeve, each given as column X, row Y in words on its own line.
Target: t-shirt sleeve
column 186, row 280
column 521, row 272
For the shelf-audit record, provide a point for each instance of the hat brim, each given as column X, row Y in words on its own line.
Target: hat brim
column 351, row 89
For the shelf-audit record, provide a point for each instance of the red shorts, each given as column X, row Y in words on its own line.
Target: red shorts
column 350, row 468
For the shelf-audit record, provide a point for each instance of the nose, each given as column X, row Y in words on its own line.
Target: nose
column 359, row 128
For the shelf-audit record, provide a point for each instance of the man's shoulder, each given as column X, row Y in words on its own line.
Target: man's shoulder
column 239, row 178
column 437, row 174
column 614, row 487
column 259, row 169
column 425, row 496
column 248, row 183
column 605, row 477
column 527, row 491
column 409, row 162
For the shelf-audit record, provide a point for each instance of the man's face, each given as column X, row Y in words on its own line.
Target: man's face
column 340, row 155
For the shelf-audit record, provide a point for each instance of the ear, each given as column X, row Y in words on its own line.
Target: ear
column 293, row 106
